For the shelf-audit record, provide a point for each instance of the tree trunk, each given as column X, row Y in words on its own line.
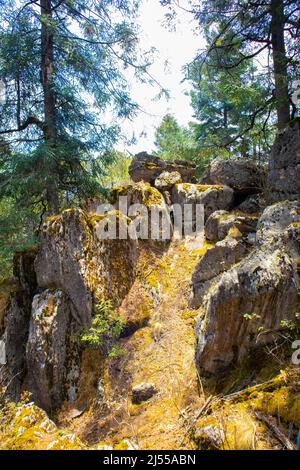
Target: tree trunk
column 280, row 63
column 47, row 79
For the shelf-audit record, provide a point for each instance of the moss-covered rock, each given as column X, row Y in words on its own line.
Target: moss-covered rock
column 60, row 285
column 277, row 399
column 166, row 180
column 220, row 222
column 212, row 197
column 146, row 207
column 24, row 426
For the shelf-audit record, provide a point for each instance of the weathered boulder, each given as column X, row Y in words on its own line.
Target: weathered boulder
column 216, row 260
column 243, row 175
column 245, row 306
column 166, row 180
column 143, row 392
column 146, row 207
column 284, row 164
column 275, row 219
column 136, row 193
column 220, row 222
column 75, row 266
column 48, row 347
column 213, row 198
column 147, row 168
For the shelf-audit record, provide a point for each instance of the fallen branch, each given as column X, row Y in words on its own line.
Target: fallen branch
column 278, row 434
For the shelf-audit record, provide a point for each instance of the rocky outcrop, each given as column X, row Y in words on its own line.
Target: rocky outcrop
column 74, row 259
column 244, row 308
column 212, row 197
column 60, row 285
column 147, row 168
column 220, row 222
column 214, row 262
column 242, row 175
column 146, row 207
column 284, row 165
column 50, row 331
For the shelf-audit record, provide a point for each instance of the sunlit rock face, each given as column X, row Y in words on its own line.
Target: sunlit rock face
column 284, row 165
column 73, row 258
column 244, row 176
column 147, row 208
column 48, row 346
column 243, row 308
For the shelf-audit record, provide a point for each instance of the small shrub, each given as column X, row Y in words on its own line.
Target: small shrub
column 105, row 331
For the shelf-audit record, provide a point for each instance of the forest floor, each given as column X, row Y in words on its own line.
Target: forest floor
column 160, row 349
column 162, row 352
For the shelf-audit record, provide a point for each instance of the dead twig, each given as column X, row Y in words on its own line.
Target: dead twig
column 278, row 434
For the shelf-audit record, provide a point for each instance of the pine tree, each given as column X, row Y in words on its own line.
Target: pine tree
column 230, row 104
column 261, row 29
column 173, row 141
column 62, row 64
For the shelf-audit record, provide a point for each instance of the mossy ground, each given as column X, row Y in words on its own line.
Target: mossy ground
column 23, row 426
column 161, row 352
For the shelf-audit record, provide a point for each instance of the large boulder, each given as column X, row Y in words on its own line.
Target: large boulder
column 242, row 175
column 220, row 222
column 146, row 207
column 147, row 168
column 275, row 219
column 245, row 306
column 284, row 164
column 216, row 260
column 213, row 198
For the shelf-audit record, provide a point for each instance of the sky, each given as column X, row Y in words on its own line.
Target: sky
column 174, row 47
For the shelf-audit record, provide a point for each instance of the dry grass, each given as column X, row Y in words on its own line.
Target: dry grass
column 167, row 360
